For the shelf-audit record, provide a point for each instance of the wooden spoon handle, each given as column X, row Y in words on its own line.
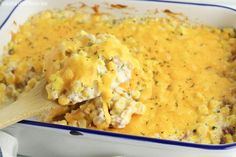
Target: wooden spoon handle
column 28, row 105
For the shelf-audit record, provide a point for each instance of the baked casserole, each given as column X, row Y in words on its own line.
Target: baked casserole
column 162, row 77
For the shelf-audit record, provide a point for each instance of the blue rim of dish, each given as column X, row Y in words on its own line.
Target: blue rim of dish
column 9, row 15
column 132, row 137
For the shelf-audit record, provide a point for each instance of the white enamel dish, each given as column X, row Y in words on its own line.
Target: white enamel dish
column 49, row 140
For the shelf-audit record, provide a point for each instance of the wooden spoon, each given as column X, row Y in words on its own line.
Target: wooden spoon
column 26, row 106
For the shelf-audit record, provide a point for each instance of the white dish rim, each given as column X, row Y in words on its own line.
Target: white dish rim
column 126, row 136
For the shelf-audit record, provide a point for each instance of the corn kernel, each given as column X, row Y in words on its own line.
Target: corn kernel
column 225, row 110
column 77, row 87
column 203, row 109
column 135, row 94
column 63, row 100
column 68, row 74
column 111, row 66
column 229, row 31
column 62, row 122
column 119, row 105
column 31, row 83
column 82, row 123
column 2, row 87
column 228, row 138
column 10, row 78
column 140, row 108
column 214, row 105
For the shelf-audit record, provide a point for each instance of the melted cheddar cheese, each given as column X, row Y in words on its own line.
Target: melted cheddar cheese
column 89, row 67
column 185, row 76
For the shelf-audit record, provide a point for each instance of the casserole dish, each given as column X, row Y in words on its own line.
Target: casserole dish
column 41, row 139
